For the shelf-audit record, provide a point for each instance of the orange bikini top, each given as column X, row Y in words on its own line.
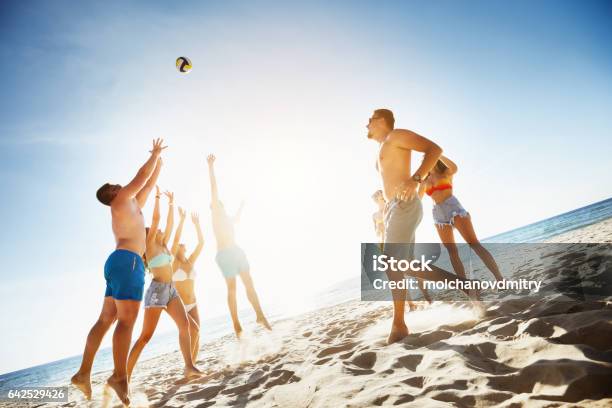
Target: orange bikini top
column 444, row 184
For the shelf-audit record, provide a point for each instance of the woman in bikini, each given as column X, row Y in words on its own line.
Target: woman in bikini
column 184, row 278
column 449, row 214
column 161, row 294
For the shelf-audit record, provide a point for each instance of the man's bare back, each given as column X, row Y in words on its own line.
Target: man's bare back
column 223, row 225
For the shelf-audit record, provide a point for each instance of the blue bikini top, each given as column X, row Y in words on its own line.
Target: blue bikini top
column 160, row 260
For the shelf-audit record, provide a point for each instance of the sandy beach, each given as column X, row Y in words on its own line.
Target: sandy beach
column 528, row 351
column 599, row 232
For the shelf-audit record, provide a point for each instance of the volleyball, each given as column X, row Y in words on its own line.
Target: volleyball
column 183, row 64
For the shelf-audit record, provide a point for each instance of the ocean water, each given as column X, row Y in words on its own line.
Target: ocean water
column 59, row 372
column 545, row 229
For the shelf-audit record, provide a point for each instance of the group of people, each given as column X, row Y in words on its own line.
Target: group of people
column 140, row 248
column 172, row 269
column 448, row 215
column 400, row 208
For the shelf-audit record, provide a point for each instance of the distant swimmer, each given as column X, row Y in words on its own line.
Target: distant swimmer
column 124, row 273
column 230, row 257
column 448, row 213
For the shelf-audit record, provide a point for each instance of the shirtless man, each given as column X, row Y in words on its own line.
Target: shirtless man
column 403, row 211
column 124, row 274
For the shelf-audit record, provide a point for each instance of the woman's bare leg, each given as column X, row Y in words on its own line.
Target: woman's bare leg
column 151, row 317
column 448, row 240
column 252, row 296
column 194, row 329
column 466, row 229
column 176, row 310
column 107, row 317
column 411, row 305
column 424, row 291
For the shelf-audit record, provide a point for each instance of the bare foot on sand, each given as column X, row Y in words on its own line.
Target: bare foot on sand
column 120, row 386
column 264, row 322
column 83, row 383
column 238, row 331
column 192, row 372
column 411, row 305
column 398, row 332
column 474, row 295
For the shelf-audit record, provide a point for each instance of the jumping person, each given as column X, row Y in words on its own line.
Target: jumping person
column 184, row 278
column 230, row 257
column 448, row 213
column 404, row 210
column 124, row 274
column 161, row 294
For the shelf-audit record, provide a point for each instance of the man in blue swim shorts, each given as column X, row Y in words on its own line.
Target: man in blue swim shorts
column 230, row 257
column 124, row 274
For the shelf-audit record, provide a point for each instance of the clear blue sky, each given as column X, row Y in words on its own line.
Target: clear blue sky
column 518, row 93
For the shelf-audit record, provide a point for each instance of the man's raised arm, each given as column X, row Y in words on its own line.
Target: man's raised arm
column 144, row 192
column 214, row 192
column 144, row 173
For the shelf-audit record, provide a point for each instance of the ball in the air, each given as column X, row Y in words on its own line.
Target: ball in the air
column 183, row 64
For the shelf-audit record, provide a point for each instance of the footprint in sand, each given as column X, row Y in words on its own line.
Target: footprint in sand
column 364, row 360
column 205, row 393
column 410, row 361
column 361, row 364
column 323, row 360
column 335, row 349
column 281, row 377
column 416, row 382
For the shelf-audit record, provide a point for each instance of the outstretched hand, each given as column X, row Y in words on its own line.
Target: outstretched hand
column 157, row 147
column 170, row 196
column 211, row 159
column 182, row 213
column 195, row 218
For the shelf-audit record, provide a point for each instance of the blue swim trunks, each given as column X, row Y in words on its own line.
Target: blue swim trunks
column 232, row 261
column 124, row 272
